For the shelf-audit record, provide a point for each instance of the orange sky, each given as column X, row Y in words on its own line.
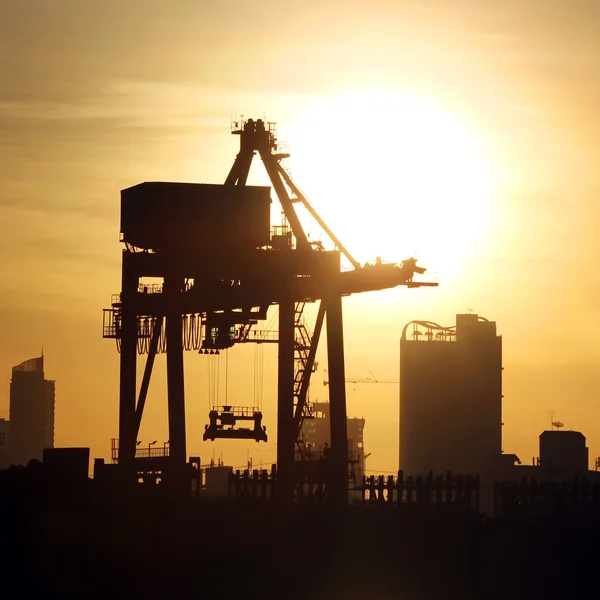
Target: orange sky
column 95, row 100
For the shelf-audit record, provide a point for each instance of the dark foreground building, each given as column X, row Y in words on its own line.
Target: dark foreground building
column 31, row 412
column 68, row 538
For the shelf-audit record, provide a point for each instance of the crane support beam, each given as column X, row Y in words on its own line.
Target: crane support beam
column 259, row 284
column 254, row 264
column 285, row 397
column 139, row 410
column 241, row 168
column 128, row 366
column 175, row 387
column 272, row 168
column 316, row 216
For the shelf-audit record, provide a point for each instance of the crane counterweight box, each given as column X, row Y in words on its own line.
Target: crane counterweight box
column 187, row 216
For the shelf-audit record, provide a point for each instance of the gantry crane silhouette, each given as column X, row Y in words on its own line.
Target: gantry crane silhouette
column 222, row 267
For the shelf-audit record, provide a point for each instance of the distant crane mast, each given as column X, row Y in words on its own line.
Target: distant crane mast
column 371, row 379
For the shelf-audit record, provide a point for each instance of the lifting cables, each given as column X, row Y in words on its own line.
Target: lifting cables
column 258, row 375
column 192, row 331
column 213, row 380
column 226, row 375
column 259, row 364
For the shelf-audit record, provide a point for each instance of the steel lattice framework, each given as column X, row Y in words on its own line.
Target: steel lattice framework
column 212, row 297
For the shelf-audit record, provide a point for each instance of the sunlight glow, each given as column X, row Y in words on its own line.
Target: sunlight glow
column 395, row 176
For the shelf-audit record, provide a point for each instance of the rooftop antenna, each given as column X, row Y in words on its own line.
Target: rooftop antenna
column 555, row 425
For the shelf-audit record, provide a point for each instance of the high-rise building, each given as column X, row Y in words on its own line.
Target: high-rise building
column 451, row 397
column 31, row 412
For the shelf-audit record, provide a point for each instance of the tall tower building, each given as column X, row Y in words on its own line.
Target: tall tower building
column 451, row 397
column 31, row 412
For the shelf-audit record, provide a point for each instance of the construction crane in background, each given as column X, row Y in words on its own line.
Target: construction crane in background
column 371, row 379
column 222, row 267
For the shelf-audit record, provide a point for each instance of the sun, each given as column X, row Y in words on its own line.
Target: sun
column 395, row 175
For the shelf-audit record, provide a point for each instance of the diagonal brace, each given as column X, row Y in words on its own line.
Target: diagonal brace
column 152, row 351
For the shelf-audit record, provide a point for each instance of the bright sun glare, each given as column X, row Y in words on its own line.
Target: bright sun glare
column 394, row 176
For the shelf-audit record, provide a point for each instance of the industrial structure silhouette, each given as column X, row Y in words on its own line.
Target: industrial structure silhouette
column 222, row 268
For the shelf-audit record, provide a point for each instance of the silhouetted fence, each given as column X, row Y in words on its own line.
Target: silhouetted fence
column 265, row 485
column 457, row 491
column 449, row 491
column 255, row 484
column 530, row 498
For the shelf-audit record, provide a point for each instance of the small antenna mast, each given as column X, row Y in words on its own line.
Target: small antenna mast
column 555, row 425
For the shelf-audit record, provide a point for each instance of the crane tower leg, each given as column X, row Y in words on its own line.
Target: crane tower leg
column 128, row 359
column 175, row 387
column 338, row 483
column 241, row 168
column 139, row 411
column 285, row 398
